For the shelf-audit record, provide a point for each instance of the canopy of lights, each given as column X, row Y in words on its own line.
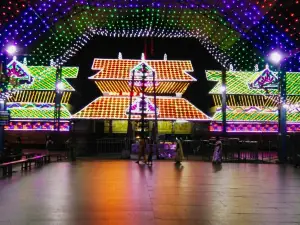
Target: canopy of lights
column 240, row 33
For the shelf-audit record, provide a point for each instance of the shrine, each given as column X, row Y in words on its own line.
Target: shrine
column 149, row 90
column 253, row 101
column 32, row 106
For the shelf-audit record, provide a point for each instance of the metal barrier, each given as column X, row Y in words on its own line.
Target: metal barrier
column 157, row 149
column 233, row 150
column 110, row 145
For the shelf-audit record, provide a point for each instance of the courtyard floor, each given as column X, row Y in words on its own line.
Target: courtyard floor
column 114, row 192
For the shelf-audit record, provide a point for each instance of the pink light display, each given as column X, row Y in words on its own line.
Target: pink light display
column 34, row 126
column 253, row 127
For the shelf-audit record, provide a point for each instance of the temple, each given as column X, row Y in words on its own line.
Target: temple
column 114, row 77
column 32, row 108
column 252, row 101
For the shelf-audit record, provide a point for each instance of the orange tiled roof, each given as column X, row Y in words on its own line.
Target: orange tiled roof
column 165, row 69
column 114, row 107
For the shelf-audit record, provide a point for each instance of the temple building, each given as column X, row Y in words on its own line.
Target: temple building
column 253, row 99
column 165, row 82
column 32, row 108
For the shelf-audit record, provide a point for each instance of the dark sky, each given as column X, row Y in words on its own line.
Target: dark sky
column 176, row 49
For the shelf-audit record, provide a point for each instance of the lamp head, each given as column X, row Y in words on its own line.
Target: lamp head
column 223, row 89
column 12, row 49
column 276, row 57
column 60, row 86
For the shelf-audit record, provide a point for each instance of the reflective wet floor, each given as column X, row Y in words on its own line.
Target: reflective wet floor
column 123, row 192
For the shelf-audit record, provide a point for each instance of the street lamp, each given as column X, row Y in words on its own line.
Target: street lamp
column 276, row 57
column 11, row 50
column 224, row 102
column 223, row 89
column 60, row 86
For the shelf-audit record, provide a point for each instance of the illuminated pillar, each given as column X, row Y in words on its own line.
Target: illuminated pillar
column 173, row 127
column 143, row 103
column 130, row 128
column 2, row 109
column 155, row 110
column 110, row 127
column 224, row 105
column 2, row 101
column 58, row 97
column 282, row 115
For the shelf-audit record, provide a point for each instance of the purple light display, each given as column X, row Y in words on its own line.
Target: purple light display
column 253, row 127
column 240, row 33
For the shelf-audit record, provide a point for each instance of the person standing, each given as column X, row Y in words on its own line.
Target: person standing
column 150, row 155
column 49, row 143
column 70, row 147
column 142, row 146
column 179, row 152
column 217, row 155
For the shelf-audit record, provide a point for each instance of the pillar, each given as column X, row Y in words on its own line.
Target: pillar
column 224, row 105
column 282, row 116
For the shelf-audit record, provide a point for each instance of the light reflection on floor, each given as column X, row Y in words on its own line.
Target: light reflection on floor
column 123, row 192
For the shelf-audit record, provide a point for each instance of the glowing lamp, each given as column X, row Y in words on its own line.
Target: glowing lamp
column 12, row 49
column 181, row 121
column 276, row 57
column 286, row 106
column 222, row 89
column 60, row 86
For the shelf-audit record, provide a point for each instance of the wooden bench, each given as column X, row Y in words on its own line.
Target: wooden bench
column 7, row 167
column 59, row 157
column 29, row 155
column 37, row 160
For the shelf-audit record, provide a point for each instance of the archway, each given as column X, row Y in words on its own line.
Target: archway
column 238, row 33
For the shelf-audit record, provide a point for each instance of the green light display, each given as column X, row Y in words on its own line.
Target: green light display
column 237, row 83
column 36, row 111
column 253, row 114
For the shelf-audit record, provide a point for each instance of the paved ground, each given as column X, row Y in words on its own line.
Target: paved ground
column 122, row 192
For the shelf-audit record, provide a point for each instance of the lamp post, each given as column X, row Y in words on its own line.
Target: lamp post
column 276, row 58
column 224, row 104
column 59, row 87
column 10, row 50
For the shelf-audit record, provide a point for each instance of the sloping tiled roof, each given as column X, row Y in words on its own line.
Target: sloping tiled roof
column 163, row 87
column 44, row 77
column 255, row 114
column 237, row 83
column 35, row 111
column 166, row 70
column 114, row 107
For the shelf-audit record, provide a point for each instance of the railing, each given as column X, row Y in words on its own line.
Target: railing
column 110, row 145
column 233, row 150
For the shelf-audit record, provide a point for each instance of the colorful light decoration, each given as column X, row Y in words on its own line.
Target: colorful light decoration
column 149, row 107
column 36, row 126
column 114, row 106
column 36, row 111
column 253, row 127
column 252, row 101
column 32, row 106
column 234, row 32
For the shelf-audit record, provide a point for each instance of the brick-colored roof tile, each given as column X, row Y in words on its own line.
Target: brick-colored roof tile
column 169, row 108
column 165, row 69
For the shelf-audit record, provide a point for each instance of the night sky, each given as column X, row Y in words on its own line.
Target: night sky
column 132, row 48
